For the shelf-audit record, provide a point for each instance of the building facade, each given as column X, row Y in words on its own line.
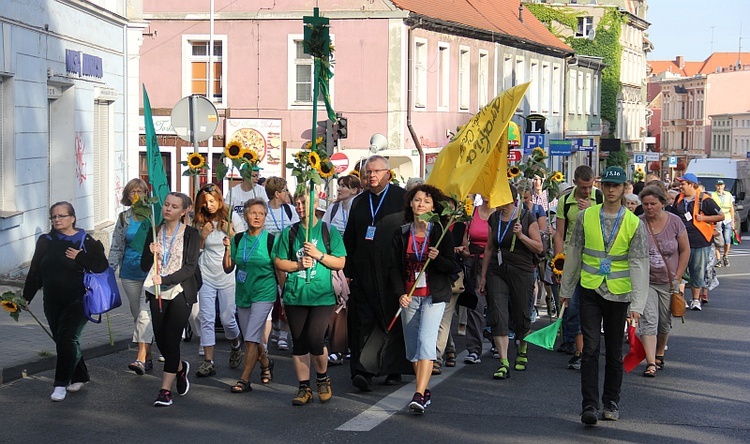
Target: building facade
column 730, row 135
column 66, row 74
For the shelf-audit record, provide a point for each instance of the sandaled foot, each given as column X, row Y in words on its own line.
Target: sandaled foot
column 502, row 373
column 241, row 386
column 437, row 369
column 521, row 362
column 650, row 371
column 266, row 373
column 450, row 359
column 660, row 362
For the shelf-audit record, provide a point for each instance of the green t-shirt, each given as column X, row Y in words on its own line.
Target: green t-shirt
column 319, row 291
column 255, row 268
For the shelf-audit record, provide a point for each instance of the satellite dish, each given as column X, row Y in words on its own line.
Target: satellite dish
column 378, row 143
column 592, row 34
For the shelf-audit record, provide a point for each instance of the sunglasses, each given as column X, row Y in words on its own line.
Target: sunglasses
column 207, row 188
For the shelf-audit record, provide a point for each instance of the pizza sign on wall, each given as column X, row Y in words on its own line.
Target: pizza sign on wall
column 261, row 135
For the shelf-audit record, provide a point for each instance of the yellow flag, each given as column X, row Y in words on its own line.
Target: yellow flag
column 476, row 159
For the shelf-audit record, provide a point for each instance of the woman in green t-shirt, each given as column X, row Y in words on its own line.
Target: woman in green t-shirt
column 308, row 295
column 255, row 288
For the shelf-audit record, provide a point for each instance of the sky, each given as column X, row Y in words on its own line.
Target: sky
column 683, row 27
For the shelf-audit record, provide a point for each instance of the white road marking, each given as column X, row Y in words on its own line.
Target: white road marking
column 722, row 276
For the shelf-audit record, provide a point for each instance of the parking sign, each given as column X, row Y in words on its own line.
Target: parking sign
column 531, row 141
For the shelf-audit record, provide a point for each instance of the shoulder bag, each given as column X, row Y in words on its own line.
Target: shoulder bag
column 677, row 302
column 101, row 292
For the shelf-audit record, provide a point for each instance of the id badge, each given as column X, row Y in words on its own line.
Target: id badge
column 370, row 235
column 605, row 267
column 688, row 217
column 241, row 276
column 499, row 257
column 421, row 280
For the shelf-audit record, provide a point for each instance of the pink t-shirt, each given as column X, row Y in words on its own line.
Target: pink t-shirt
column 478, row 233
column 667, row 239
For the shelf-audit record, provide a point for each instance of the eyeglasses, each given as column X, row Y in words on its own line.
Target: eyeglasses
column 59, row 216
column 370, row 172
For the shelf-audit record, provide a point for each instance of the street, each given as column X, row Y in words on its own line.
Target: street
column 702, row 395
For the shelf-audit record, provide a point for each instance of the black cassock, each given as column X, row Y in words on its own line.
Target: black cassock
column 371, row 305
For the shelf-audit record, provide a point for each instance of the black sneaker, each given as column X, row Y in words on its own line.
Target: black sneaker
column 183, row 385
column 588, row 416
column 427, row 396
column 164, row 399
column 575, row 362
column 611, row 412
column 417, row 404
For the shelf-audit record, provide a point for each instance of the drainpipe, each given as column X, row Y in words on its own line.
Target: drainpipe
column 410, row 84
column 520, row 11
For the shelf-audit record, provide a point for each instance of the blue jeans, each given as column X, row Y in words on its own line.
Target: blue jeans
column 571, row 324
column 726, row 231
column 697, row 266
column 421, row 321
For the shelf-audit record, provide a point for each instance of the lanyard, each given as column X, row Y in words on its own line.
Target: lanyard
column 281, row 213
column 420, row 254
column 614, row 227
column 382, row 199
column 500, row 223
column 245, row 254
column 343, row 213
column 165, row 256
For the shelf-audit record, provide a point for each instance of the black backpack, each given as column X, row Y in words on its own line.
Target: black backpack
column 598, row 196
column 293, row 235
column 238, row 238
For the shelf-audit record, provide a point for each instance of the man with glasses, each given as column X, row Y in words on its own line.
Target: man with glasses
column 374, row 217
column 699, row 222
column 248, row 189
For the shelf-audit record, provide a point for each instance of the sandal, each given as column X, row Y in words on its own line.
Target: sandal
column 521, row 362
column 241, row 386
column 650, row 371
column 266, row 373
column 450, row 359
column 660, row 362
column 502, row 373
column 437, row 369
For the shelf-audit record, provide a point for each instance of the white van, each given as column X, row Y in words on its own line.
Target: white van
column 736, row 177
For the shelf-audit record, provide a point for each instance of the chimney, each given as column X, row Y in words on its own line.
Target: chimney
column 680, row 60
column 520, row 11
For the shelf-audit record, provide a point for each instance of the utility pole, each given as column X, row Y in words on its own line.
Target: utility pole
column 712, row 40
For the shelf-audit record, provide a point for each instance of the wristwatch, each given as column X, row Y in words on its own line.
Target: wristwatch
column 322, row 256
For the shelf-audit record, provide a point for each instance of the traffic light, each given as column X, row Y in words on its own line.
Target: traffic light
column 343, row 129
column 330, row 136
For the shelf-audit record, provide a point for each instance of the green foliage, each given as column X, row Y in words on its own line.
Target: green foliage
column 618, row 158
column 566, row 17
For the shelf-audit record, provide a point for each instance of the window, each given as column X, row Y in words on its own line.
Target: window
column 585, row 25
column 546, row 77
column 420, row 73
column 589, row 98
column 595, row 95
column 443, row 76
column 579, row 94
column 3, row 205
column 483, row 82
column 300, row 67
column 102, row 143
column 572, row 92
column 519, row 74
column 534, row 87
column 507, row 72
column 464, row 78
column 196, row 70
column 556, row 88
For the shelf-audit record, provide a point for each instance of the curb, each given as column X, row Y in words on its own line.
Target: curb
column 19, row 371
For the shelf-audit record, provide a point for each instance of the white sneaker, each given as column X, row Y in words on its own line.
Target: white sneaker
column 76, row 387
column 695, row 305
column 59, row 394
column 472, row 358
column 282, row 345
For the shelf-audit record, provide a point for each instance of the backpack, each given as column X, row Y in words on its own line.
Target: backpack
column 325, row 232
column 288, row 210
column 238, row 238
column 101, row 292
column 598, row 196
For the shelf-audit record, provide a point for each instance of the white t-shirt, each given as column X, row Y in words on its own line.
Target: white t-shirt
column 212, row 270
column 278, row 218
column 239, row 197
column 338, row 215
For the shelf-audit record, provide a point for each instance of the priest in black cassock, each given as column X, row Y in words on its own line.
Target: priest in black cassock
column 374, row 217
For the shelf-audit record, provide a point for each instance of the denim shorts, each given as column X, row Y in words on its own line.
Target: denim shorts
column 697, row 266
column 421, row 322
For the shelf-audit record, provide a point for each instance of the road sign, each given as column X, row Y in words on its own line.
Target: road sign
column 652, row 157
column 639, row 158
column 560, row 147
column 204, row 118
column 340, row 162
column 673, row 161
column 514, row 155
column 531, row 141
column 586, row 144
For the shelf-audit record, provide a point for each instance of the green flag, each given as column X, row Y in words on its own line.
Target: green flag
column 157, row 178
column 546, row 336
column 324, row 77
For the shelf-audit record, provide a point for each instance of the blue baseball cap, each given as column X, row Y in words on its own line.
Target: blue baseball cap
column 688, row 177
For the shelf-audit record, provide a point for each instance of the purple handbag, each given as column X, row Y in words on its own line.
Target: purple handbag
column 101, row 292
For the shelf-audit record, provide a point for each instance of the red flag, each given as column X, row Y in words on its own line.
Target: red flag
column 636, row 354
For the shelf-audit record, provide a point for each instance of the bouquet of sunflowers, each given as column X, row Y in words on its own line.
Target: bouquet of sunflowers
column 312, row 164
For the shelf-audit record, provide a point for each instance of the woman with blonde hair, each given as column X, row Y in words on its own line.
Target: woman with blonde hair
column 211, row 220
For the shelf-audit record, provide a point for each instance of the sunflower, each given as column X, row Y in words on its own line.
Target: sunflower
column 251, row 156
column 469, row 206
column 639, row 170
column 10, row 306
column 354, row 173
column 558, row 262
column 135, row 199
column 391, row 175
column 514, row 172
column 314, row 159
column 326, row 170
column 233, row 150
column 557, row 177
column 538, row 154
column 299, row 155
column 195, row 161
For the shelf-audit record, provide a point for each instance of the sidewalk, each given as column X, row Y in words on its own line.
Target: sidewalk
column 27, row 348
